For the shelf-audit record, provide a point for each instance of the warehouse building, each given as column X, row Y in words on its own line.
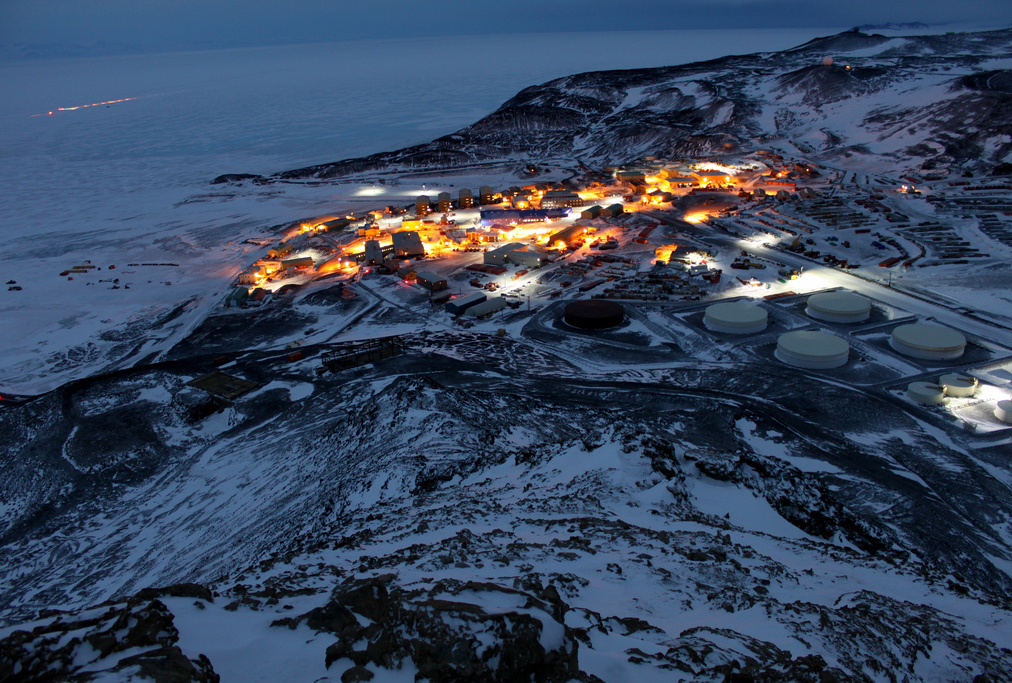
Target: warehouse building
column 486, row 308
column 499, row 255
column 283, row 249
column 298, row 263
column 407, row 244
column 682, row 181
column 462, row 303
column 252, row 275
column 517, row 216
column 591, row 213
column 630, row 176
column 612, row 211
column 527, row 257
column 711, row 177
column 574, row 234
column 554, row 199
column 430, row 280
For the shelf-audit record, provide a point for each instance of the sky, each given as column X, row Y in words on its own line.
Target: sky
column 62, row 28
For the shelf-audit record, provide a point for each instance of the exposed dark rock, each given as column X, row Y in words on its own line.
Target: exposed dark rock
column 67, row 646
column 177, row 590
column 233, row 178
column 356, row 674
column 446, row 639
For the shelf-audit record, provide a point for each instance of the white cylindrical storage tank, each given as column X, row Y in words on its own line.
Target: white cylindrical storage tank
column 926, row 393
column 1003, row 411
column 736, row 317
column 928, row 341
column 812, row 350
column 958, row 385
column 839, row 307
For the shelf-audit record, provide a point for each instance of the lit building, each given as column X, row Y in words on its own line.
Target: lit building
column 299, row 263
column 283, row 249
column 444, row 202
column 269, row 267
column 422, row 207
column 630, row 176
column 253, row 275
column 682, row 181
column 499, row 255
column 373, row 252
column 527, row 257
column 554, row 199
column 407, row 244
column 465, row 198
column 516, row 216
column 711, row 177
column 571, row 235
column 486, row 195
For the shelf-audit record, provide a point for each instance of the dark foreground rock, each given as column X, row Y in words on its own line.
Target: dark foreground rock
column 454, row 631
column 90, row 645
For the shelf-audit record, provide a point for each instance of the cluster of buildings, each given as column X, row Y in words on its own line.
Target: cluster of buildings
column 537, row 196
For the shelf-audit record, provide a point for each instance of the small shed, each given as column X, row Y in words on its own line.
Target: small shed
column 430, row 280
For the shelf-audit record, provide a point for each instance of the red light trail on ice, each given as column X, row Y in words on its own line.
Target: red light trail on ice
column 85, row 106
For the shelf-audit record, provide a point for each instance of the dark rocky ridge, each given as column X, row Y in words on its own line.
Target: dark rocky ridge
column 612, row 117
column 467, row 463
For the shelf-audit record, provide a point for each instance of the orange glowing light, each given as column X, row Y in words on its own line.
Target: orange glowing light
column 85, row 106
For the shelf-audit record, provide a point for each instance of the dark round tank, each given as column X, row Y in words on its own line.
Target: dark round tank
column 594, row 314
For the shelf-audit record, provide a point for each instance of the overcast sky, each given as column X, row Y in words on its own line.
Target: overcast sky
column 64, row 27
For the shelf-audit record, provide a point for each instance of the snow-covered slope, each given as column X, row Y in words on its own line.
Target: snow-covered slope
column 906, row 102
column 662, row 525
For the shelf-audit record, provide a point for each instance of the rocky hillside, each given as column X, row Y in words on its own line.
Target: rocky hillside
column 928, row 102
column 481, row 509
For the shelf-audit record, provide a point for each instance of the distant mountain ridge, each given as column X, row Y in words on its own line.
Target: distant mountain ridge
column 914, row 103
